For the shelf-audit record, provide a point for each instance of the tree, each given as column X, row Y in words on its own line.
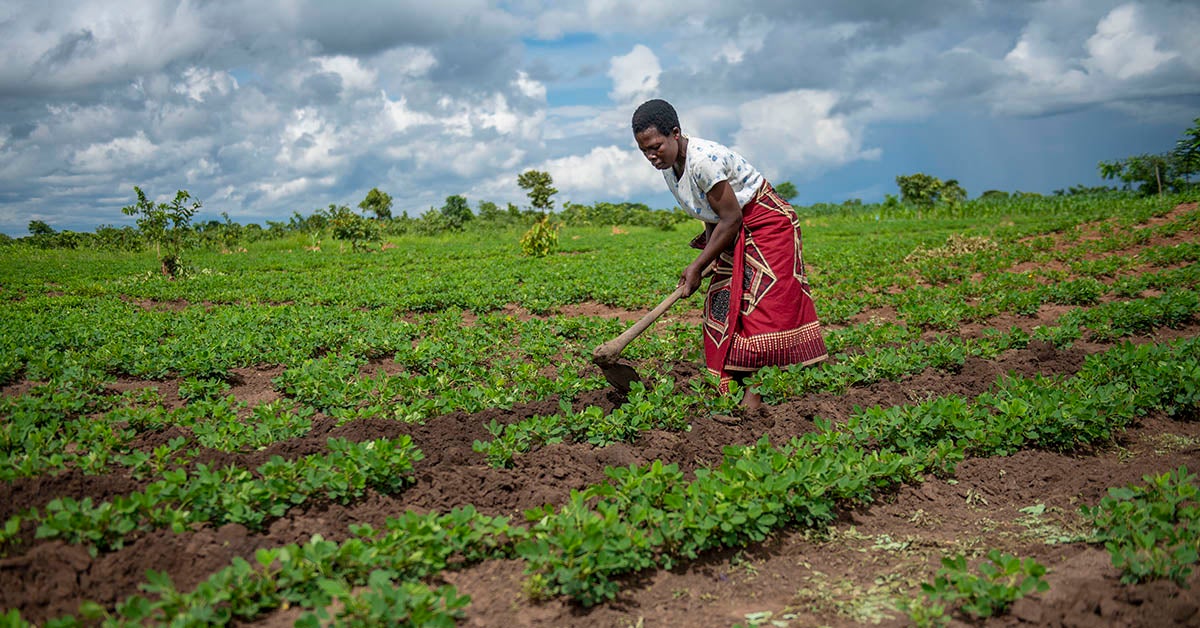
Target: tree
column 919, row 189
column 347, row 225
column 1149, row 173
column 489, row 211
column 456, row 211
column 1146, row 173
column 1187, row 152
column 786, row 190
column 539, row 186
column 378, row 203
column 951, row 192
column 40, row 228
column 167, row 225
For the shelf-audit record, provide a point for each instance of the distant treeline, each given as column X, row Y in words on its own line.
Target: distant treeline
column 457, row 216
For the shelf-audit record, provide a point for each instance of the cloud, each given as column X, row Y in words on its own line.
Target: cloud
column 798, row 131
column 119, row 153
column 604, row 172
column 264, row 108
column 197, row 83
column 634, row 75
column 1120, row 48
column 352, row 73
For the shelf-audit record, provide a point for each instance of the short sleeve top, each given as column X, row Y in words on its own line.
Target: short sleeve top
column 705, row 164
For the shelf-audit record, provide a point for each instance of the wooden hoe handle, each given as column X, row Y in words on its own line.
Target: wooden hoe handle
column 607, row 353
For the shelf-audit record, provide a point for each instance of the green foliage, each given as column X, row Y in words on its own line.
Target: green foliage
column 1152, row 530
column 233, row 495
column 378, row 203
column 540, row 188
column 1187, row 152
column 1158, row 173
column 456, row 212
column 925, row 190
column 541, row 239
column 349, row 226
column 40, row 228
column 1002, row 579
column 1145, row 173
column 650, row 516
column 786, row 190
column 166, row 225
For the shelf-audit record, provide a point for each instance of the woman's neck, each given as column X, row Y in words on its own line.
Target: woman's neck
column 681, row 159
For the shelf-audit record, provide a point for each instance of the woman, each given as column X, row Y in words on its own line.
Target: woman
column 750, row 232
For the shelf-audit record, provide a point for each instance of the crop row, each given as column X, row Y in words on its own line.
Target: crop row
column 228, row 495
column 73, row 418
column 652, row 516
column 663, row 405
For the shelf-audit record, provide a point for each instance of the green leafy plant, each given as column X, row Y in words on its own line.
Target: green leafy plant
column 1151, row 530
column 346, row 225
column 541, row 239
column 166, row 225
column 1001, row 580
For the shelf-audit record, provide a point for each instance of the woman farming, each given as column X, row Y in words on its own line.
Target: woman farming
column 767, row 317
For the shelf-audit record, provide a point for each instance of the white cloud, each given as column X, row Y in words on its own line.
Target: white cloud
column 400, row 116
column 748, row 38
column 117, row 154
column 352, row 73
column 530, row 87
column 309, row 143
column 293, row 187
column 798, row 130
column 605, row 171
column 1120, row 48
column 634, row 75
column 1044, row 67
column 198, row 82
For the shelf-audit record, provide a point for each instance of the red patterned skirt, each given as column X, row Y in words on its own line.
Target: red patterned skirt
column 775, row 323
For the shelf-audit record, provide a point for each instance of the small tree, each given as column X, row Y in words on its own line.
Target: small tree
column 349, row 226
column 457, row 212
column 786, row 190
column 1146, row 173
column 542, row 237
column 378, row 203
column 540, row 188
column 951, row 192
column 1187, row 152
column 489, row 211
column 40, row 228
column 166, row 225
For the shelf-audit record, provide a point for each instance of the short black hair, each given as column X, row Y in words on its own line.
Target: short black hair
column 656, row 113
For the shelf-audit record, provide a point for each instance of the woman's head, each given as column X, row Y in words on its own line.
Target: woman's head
column 656, row 113
column 656, row 130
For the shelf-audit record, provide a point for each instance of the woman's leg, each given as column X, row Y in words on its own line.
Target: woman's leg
column 751, row 400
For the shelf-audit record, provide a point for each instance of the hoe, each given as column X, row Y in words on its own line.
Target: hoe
column 618, row 373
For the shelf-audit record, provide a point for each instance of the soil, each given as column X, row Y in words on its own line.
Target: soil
column 1025, row 504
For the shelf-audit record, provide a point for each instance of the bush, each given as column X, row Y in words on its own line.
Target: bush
column 541, row 239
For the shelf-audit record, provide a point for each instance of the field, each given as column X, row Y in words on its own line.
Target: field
column 417, row 434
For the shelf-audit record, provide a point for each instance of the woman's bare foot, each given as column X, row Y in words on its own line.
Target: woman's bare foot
column 752, row 401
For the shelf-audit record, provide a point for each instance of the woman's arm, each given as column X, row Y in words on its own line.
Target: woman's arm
column 721, row 236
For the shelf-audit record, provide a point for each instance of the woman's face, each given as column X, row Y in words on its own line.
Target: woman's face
column 661, row 150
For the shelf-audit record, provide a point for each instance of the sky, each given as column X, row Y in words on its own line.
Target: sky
column 263, row 108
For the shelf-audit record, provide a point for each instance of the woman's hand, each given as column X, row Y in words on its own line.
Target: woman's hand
column 690, row 280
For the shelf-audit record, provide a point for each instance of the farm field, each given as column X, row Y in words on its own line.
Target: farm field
column 291, row 435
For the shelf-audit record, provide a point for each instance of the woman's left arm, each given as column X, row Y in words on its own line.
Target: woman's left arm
column 729, row 222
